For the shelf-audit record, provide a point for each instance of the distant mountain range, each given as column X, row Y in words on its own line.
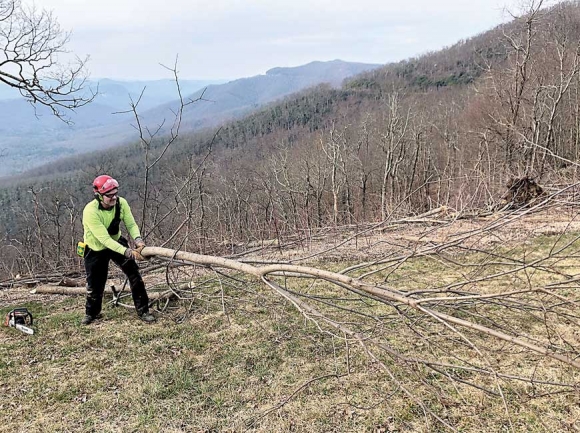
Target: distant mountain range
column 117, row 93
column 28, row 139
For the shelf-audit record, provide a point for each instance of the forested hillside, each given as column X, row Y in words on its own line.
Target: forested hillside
column 447, row 128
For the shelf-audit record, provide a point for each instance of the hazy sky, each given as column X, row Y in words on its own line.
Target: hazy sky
column 241, row 38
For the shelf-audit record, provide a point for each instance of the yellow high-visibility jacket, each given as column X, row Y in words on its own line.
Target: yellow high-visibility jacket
column 96, row 221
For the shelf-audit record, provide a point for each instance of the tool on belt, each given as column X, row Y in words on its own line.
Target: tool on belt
column 21, row 319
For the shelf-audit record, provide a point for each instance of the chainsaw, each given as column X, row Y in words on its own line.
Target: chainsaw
column 21, row 319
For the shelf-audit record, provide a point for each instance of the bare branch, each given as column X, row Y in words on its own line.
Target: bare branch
column 31, row 43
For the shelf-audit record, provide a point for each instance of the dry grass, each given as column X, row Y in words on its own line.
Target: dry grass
column 202, row 375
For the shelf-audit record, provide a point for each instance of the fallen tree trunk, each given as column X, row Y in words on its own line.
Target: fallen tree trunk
column 376, row 291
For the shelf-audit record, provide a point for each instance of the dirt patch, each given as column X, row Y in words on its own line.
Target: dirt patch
column 19, row 295
column 371, row 243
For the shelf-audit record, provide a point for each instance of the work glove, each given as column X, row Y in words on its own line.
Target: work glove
column 139, row 249
column 139, row 242
column 134, row 254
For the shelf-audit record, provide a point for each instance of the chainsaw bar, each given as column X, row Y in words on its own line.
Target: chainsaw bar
column 24, row 329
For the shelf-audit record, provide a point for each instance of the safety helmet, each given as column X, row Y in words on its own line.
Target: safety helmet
column 104, row 183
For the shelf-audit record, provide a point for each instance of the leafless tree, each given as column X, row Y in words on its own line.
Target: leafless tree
column 148, row 135
column 393, row 144
column 31, row 42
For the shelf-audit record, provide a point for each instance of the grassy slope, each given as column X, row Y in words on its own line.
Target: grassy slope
column 262, row 367
column 203, row 375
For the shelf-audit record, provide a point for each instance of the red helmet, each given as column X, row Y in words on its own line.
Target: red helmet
column 103, row 184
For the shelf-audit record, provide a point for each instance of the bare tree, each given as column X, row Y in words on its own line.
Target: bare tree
column 147, row 136
column 393, row 144
column 30, row 44
column 333, row 149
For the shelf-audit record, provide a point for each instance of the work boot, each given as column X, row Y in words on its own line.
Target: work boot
column 147, row 317
column 87, row 320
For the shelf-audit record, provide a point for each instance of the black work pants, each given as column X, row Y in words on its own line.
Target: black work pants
column 97, row 268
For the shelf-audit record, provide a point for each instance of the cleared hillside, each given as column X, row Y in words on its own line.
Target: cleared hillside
column 232, row 353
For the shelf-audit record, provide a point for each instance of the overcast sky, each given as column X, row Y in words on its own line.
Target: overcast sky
column 227, row 39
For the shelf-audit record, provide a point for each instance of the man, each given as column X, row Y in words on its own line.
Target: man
column 102, row 236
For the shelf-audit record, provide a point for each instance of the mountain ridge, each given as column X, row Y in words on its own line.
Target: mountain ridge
column 100, row 129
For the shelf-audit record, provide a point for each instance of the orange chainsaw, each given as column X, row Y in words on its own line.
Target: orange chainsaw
column 21, row 319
